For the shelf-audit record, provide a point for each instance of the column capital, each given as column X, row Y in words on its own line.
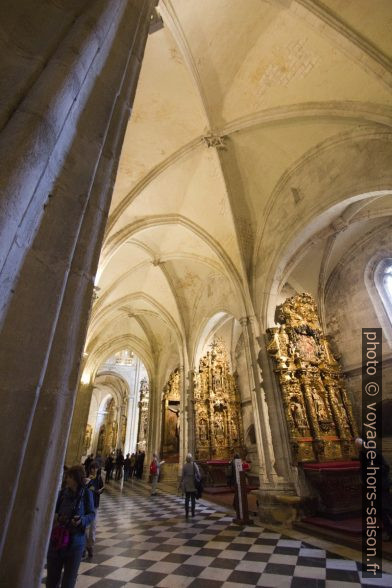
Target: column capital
column 244, row 321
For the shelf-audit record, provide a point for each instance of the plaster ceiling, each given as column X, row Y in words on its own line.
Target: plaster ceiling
column 252, row 131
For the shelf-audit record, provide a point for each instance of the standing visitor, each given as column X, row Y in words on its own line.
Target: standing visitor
column 139, row 464
column 95, row 484
column 154, row 472
column 89, row 459
column 108, row 469
column 127, row 467
column 132, row 465
column 74, row 512
column 119, row 464
column 233, row 481
column 189, row 480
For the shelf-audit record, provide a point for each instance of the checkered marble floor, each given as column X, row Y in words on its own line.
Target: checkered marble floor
column 146, row 541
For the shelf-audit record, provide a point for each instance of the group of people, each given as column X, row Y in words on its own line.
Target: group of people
column 131, row 466
column 74, row 527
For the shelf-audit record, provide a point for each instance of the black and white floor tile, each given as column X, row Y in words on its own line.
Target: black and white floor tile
column 146, row 541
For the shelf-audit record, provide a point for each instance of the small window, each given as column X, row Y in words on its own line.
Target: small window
column 383, row 281
column 378, row 279
column 388, row 282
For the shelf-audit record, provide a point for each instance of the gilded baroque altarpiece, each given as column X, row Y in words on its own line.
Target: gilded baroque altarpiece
column 217, row 407
column 317, row 408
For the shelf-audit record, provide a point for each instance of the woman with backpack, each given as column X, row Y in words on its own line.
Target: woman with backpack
column 73, row 513
column 190, row 479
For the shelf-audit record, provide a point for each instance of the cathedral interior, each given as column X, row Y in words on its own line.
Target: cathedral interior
column 196, row 221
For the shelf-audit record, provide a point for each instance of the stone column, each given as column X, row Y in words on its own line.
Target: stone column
column 133, row 412
column 271, row 484
column 191, row 412
column 59, row 153
column 262, row 436
column 155, row 422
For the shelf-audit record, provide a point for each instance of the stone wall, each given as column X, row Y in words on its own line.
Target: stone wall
column 350, row 303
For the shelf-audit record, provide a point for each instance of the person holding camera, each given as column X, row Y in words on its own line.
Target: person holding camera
column 95, row 484
column 74, row 512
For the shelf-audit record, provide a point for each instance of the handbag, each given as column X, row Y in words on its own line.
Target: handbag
column 198, row 483
column 60, row 536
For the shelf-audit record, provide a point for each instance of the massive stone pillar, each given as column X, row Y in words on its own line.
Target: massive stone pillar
column 271, row 483
column 59, row 149
column 263, row 434
column 155, row 423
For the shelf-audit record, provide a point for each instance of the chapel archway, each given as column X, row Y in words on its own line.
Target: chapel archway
column 119, row 408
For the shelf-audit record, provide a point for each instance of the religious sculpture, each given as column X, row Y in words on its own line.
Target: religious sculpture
column 123, row 429
column 217, row 407
column 101, row 440
column 321, row 410
column 317, row 409
column 87, row 439
column 171, row 402
column 297, row 413
column 144, row 405
column 111, row 428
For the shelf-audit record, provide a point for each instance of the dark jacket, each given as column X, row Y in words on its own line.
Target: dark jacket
column 95, row 485
column 190, row 473
column 70, row 504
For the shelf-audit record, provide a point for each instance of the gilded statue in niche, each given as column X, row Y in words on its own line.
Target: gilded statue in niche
column 144, row 405
column 87, row 439
column 297, row 413
column 101, row 440
column 203, row 429
column 317, row 409
column 111, row 427
column 320, row 407
column 217, row 407
column 123, row 429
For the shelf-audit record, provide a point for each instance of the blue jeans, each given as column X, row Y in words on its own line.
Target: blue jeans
column 69, row 559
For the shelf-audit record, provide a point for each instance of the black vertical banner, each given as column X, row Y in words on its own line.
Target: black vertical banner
column 371, row 453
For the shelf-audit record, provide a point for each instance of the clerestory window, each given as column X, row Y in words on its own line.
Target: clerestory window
column 388, row 282
column 383, row 302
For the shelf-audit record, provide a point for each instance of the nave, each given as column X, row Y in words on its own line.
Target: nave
column 146, row 541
